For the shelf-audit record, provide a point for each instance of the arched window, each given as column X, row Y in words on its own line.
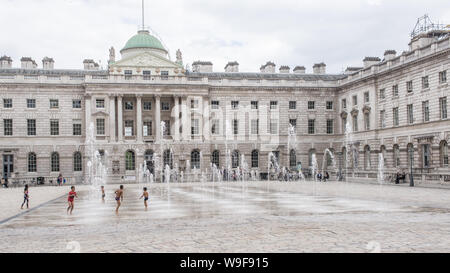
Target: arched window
column 148, row 157
column 396, row 156
column 367, row 162
column 55, row 162
column 310, row 157
column 215, row 158
column 235, row 159
column 77, row 162
column 292, row 158
column 195, row 159
column 443, row 148
column 32, row 163
column 167, row 157
column 329, row 158
column 255, row 159
column 410, row 154
column 355, row 155
column 383, row 152
column 130, row 161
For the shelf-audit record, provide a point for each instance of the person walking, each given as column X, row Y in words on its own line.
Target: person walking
column 26, row 197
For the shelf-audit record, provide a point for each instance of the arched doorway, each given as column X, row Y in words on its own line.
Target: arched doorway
column 149, row 161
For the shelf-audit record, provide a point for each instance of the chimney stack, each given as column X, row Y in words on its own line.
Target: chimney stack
column 269, row 67
column 202, row 67
column 28, row 63
column 284, row 69
column 299, row 70
column 369, row 61
column 48, row 63
column 232, row 67
column 319, row 68
column 89, row 64
column 389, row 55
column 5, row 62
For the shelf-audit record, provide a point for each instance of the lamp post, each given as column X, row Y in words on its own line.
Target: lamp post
column 411, row 158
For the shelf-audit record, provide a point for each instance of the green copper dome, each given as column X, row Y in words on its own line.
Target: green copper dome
column 144, row 40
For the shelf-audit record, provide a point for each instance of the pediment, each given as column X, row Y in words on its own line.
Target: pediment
column 100, row 113
column 146, row 59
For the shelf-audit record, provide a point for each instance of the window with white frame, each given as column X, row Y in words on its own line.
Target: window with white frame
column 76, row 104
column 425, row 83
column 54, row 127
column 425, row 111
column 330, row 126
column 215, row 127
column 129, row 105
column 292, row 105
column 8, row 127
column 293, row 122
column 194, row 104
column 383, row 119
column 311, row 105
column 443, row 76
column 382, row 94
column 311, row 126
column 395, row 90
column 235, row 126
column 31, row 103
column 147, row 105
column 32, row 163
column 274, row 126
column 7, row 103
column 100, row 103
column 54, row 162
column 344, row 103
column 366, row 97
column 77, row 162
column 410, row 113
column 100, row 126
column 254, row 105
column 31, row 127
column 129, row 128
column 443, row 107
column 395, row 116
column 254, row 126
column 329, row 105
column 165, row 106
column 54, row 104
column 355, row 123
column 147, row 128
column 273, row 105
column 234, row 104
column 409, row 86
column 215, row 104
column 195, row 130
column 367, row 121
column 76, row 126
column 355, row 100
column 128, row 74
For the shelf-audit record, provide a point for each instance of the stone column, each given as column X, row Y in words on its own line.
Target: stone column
column 206, row 123
column 139, row 117
column 120, row 118
column 157, row 117
column 87, row 102
column 177, row 118
column 184, row 117
column 112, row 118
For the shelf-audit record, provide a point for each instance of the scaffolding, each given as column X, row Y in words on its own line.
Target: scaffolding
column 425, row 25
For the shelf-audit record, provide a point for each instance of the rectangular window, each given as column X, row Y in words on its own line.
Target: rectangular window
column 76, row 104
column 167, row 127
column 311, row 105
column 274, row 126
column 129, row 105
column 254, row 105
column 215, row 127
column 146, row 75
column 344, row 103
column 425, row 111
column 76, row 125
column 165, row 106
column 215, row 104
column 100, row 126
column 31, row 127
column 129, row 128
column 426, row 155
column 235, row 126
column 355, row 100
column 273, row 105
column 383, row 119
column 195, row 127
column 128, row 74
column 395, row 116
column 425, row 83
column 31, row 103
column 344, row 125
column 395, row 90
column 366, row 97
column 293, row 122
column 443, row 107
column 443, row 76
column 147, row 105
column 382, row 94
column 8, row 127
column 54, row 104
column 409, row 86
column 100, row 103
column 367, row 121
column 194, row 104
column 147, row 128
column 7, row 103
column 292, row 105
column 234, row 104
column 164, row 75
column 355, row 123
column 54, row 127
column 330, row 126
column 410, row 113
column 329, row 105
column 311, row 127
column 255, row 126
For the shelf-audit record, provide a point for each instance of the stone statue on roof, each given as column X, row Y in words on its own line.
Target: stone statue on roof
column 112, row 55
column 179, row 57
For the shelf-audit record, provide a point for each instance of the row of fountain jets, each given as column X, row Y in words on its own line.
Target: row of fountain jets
column 98, row 171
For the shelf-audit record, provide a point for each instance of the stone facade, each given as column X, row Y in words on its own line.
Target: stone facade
column 147, row 87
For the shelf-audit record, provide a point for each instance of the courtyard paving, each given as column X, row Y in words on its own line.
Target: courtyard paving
column 240, row 217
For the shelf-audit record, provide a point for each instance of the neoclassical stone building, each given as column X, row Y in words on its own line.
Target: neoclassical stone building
column 396, row 106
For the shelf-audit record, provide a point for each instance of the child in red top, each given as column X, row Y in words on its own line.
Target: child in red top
column 70, row 199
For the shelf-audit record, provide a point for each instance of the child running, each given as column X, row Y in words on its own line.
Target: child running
column 119, row 197
column 103, row 194
column 72, row 195
column 25, row 197
column 145, row 195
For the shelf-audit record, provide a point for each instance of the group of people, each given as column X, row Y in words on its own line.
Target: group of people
column 323, row 177
column 73, row 194
column 4, row 182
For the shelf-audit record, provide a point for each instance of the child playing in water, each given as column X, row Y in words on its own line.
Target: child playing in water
column 103, row 193
column 72, row 195
column 25, row 197
column 145, row 195
column 119, row 197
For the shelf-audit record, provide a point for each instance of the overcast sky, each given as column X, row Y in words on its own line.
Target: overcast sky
column 252, row 32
